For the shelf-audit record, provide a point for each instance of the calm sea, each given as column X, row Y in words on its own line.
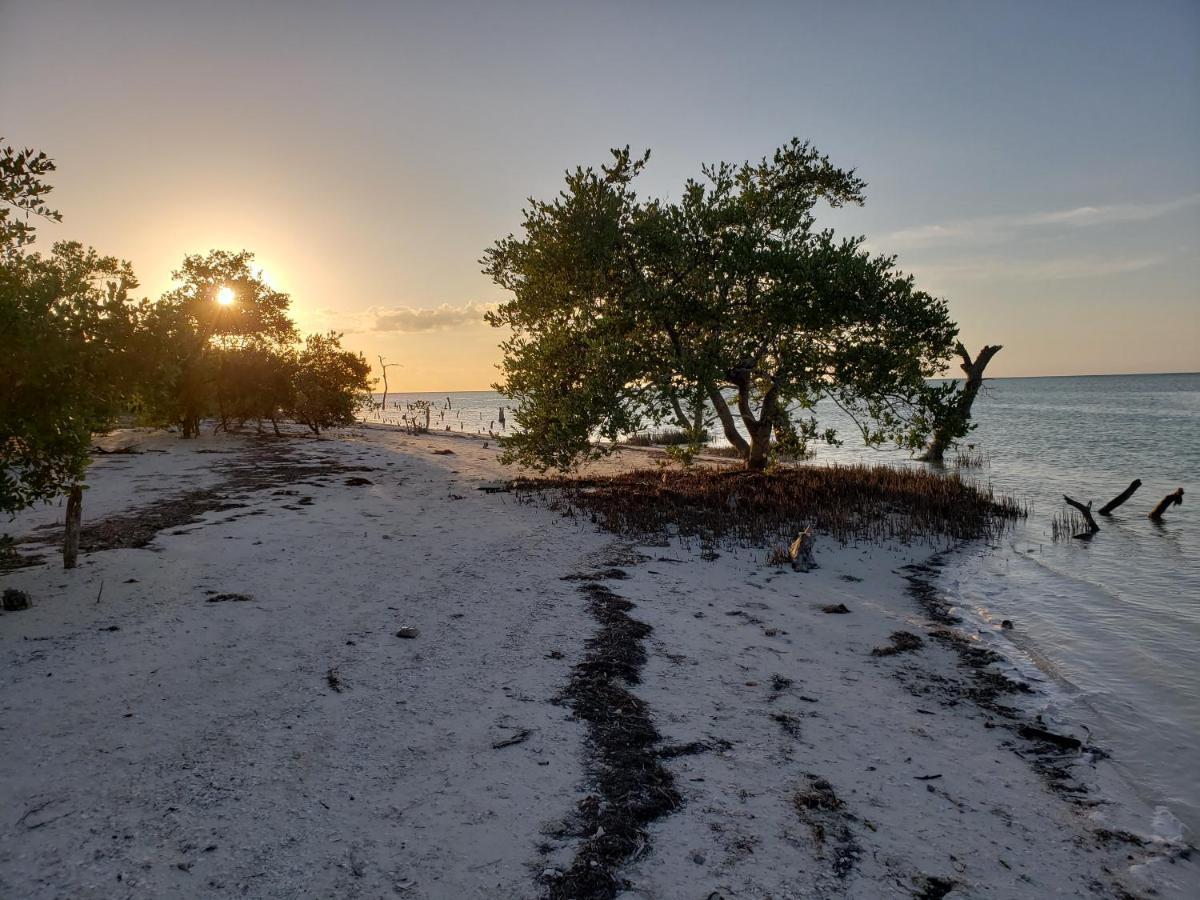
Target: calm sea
column 1111, row 625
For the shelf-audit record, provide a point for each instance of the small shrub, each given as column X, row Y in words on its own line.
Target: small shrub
column 779, row 556
column 667, row 437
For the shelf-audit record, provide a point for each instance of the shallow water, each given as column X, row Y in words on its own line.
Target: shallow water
column 1112, row 623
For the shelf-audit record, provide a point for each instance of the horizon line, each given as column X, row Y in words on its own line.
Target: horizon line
column 956, row 378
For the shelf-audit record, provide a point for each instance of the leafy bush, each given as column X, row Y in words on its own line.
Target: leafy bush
column 331, row 384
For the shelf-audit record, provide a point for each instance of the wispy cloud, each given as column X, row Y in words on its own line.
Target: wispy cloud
column 1051, row 269
column 993, row 229
column 409, row 319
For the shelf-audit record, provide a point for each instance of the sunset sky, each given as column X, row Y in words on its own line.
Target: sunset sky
column 1037, row 164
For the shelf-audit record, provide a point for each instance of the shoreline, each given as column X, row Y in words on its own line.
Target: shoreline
column 819, row 729
column 1059, row 698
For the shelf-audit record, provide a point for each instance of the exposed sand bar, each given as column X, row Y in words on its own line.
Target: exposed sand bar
column 162, row 742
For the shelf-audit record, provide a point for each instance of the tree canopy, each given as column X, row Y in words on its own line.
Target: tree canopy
column 330, row 383
column 66, row 370
column 622, row 308
column 209, row 339
column 80, row 352
column 66, row 320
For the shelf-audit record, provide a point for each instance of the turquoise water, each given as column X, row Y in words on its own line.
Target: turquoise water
column 1113, row 624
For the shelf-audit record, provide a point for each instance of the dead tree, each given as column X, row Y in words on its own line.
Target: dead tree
column 383, row 367
column 71, row 531
column 1175, row 498
column 1086, row 511
column 945, row 433
column 1116, row 501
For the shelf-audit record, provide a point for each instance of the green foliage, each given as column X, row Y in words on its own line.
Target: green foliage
column 66, row 370
column 621, row 306
column 255, row 383
column 196, row 347
column 78, row 352
column 22, row 189
column 331, row 384
column 66, row 322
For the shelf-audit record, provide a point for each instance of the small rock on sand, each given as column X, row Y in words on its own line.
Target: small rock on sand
column 408, row 632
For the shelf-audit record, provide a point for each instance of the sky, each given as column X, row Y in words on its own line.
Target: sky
column 1035, row 163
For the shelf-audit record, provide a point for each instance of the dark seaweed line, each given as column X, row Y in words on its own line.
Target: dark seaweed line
column 634, row 788
column 265, row 464
column 1053, row 757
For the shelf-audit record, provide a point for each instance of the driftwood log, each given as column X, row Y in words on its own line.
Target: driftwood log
column 801, row 551
column 1116, row 501
column 1175, row 498
column 1086, row 512
column 71, row 531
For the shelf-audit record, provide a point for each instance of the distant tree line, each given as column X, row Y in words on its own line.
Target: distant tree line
column 78, row 352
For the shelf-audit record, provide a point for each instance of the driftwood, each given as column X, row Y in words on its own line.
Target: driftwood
column 1086, row 512
column 71, row 531
column 1063, row 741
column 1116, row 501
column 801, row 551
column 521, row 735
column 131, row 450
column 1175, row 498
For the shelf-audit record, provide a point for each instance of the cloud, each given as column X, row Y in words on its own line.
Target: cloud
column 1052, row 269
column 409, row 319
column 992, row 229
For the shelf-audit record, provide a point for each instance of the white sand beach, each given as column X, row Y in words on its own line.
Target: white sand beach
column 333, row 689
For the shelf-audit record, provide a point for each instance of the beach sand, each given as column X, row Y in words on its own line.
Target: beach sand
column 241, row 708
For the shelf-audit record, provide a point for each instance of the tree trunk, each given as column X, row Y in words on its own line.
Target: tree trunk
column 680, row 419
column 727, row 424
column 698, row 415
column 1175, row 498
column 760, row 448
column 73, row 523
column 692, row 425
column 1116, row 501
column 759, row 427
column 383, row 369
column 944, row 435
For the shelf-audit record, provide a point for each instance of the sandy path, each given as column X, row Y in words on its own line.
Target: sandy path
column 157, row 744
column 199, row 724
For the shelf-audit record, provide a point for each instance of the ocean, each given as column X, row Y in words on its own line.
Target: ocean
column 1110, row 626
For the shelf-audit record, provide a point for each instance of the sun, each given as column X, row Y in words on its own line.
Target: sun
column 225, row 296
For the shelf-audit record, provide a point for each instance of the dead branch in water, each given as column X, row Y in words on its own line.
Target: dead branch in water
column 1116, row 501
column 1086, row 512
column 1175, row 498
